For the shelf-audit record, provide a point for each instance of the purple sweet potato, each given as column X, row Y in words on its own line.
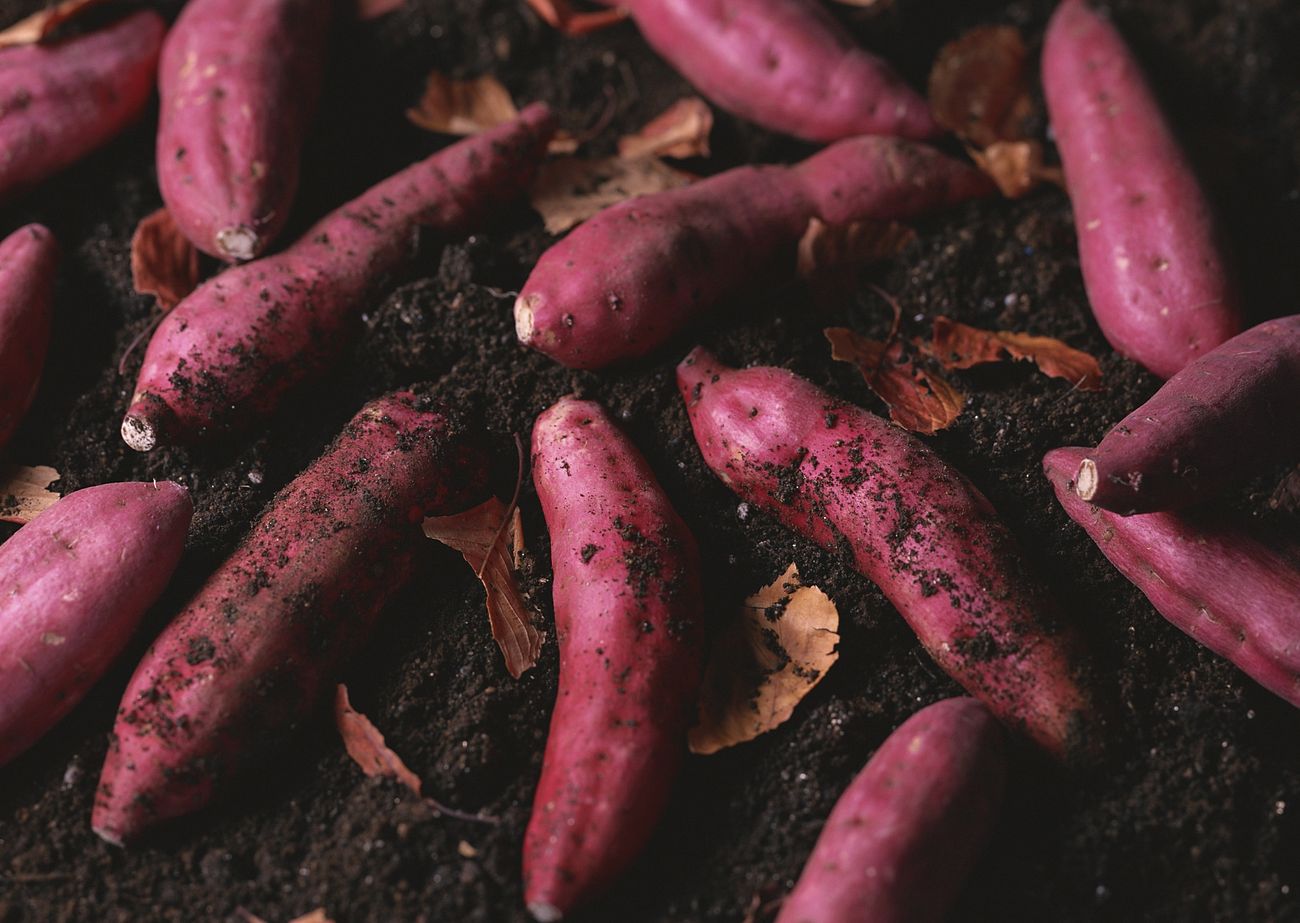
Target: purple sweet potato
column 624, row 282
column 1228, row 415
column 847, row 479
column 28, row 258
column 230, row 350
column 60, row 102
column 628, row 623
column 1213, row 580
column 250, row 656
column 1152, row 257
column 784, row 64
column 905, row 835
column 238, row 82
column 74, row 584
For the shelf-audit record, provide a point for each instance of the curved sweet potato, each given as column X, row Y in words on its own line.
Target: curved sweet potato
column 249, row 656
column 905, row 835
column 237, row 85
column 1152, row 258
column 28, row 258
column 74, row 584
column 914, row 526
column 628, row 622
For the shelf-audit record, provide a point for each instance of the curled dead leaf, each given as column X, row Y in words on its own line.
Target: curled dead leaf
column 680, row 131
column 462, row 107
column 163, row 261
column 570, row 190
column 830, row 247
column 493, row 546
column 979, row 85
column 764, row 661
column 41, row 25
column 960, row 346
column 373, row 9
column 560, row 15
column 919, row 399
column 1016, row 167
column 25, row 493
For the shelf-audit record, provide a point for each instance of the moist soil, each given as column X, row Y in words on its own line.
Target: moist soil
column 1195, row 813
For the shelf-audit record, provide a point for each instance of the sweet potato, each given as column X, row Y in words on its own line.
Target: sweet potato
column 628, row 623
column 237, row 85
column 925, row 535
column 1153, row 261
column 1227, row 415
column 229, row 351
column 1226, row 589
column 907, row 832
column 638, row 272
column 28, row 258
column 251, row 654
column 74, row 584
column 60, row 102
column 784, row 64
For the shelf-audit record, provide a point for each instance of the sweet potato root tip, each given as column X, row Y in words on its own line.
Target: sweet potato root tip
column 524, row 318
column 545, row 913
column 1085, row 479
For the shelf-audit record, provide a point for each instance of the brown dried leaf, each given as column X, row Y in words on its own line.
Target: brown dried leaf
column 1016, row 167
column 365, row 744
column 560, row 14
column 919, row 400
column 41, row 24
column 493, row 552
column 959, row 346
column 827, row 247
column 682, row 130
column 373, row 9
column 25, row 493
column 765, row 660
column 570, row 190
column 163, row 261
column 462, row 107
column 979, row 85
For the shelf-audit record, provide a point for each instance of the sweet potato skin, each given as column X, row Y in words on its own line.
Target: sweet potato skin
column 1227, row 415
column 74, row 584
column 1152, row 257
column 628, row 616
column 228, row 352
column 784, row 64
column 914, row 526
column 907, row 832
column 625, row 281
column 60, row 102
column 238, row 82
column 1212, row 580
column 28, row 260
column 247, row 659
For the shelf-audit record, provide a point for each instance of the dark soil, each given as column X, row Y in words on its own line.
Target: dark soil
column 1194, row 816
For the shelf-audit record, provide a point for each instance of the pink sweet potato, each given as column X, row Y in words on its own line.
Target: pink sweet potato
column 231, row 349
column 1229, row 414
column 924, row 534
column 249, row 657
column 238, row 82
column 28, row 258
column 638, row 272
column 1152, row 258
column 628, row 624
column 60, row 102
column 1226, row 589
column 905, row 835
column 785, row 64
column 74, row 584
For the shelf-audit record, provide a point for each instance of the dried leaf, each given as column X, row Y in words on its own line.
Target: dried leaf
column 493, row 551
column 1016, row 167
column 681, row 130
column 41, row 25
column 163, row 261
column 373, row 9
column 560, row 14
column 960, row 346
column 366, row 745
column 979, row 86
column 828, row 247
column 25, row 493
column 570, row 190
column 462, row 107
column 764, row 661
column 919, row 400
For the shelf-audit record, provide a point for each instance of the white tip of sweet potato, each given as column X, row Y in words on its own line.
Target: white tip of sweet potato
column 524, row 318
column 545, row 913
column 139, row 433
column 238, row 243
column 1085, row 479
column 109, row 836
